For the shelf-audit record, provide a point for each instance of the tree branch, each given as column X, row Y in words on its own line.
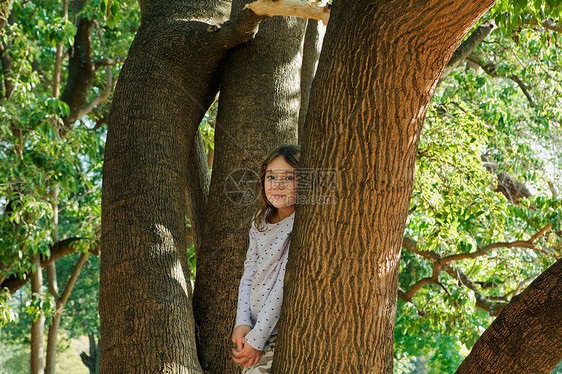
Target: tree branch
column 482, row 302
column 52, row 281
column 101, row 98
column 465, row 49
column 298, row 8
column 443, row 263
column 75, row 273
column 484, row 250
column 490, row 69
column 80, row 73
column 58, row 250
column 108, row 62
column 547, row 24
column 434, row 279
column 243, row 25
column 58, row 56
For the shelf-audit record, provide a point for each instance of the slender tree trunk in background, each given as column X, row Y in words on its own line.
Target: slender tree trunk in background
column 198, row 180
column 37, row 326
column 311, row 52
column 374, row 82
column 527, row 335
column 51, row 362
column 258, row 110
column 52, row 337
column 167, row 83
column 92, row 361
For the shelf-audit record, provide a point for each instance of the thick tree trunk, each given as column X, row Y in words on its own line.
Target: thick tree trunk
column 258, row 110
column 527, row 335
column 167, row 83
column 375, row 78
column 163, row 91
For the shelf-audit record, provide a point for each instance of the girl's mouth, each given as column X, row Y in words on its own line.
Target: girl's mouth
column 277, row 196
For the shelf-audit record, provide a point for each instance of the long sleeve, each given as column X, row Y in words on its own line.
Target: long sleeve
column 243, row 313
column 268, row 316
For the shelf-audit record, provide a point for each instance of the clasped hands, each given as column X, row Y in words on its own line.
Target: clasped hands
column 244, row 354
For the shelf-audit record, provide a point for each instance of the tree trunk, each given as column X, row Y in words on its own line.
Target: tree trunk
column 311, row 51
column 258, row 110
column 52, row 337
column 167, row 83
column 92, row 361
column 37, row 326
column 527, row 335
column 375, row 78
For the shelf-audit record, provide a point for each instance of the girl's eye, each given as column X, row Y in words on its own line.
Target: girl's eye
column 270, row 177
column 290, row 178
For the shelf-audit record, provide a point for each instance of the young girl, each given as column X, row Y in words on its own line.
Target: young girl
column 261, row 288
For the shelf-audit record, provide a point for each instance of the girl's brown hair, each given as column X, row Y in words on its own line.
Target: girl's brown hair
column 291, row 154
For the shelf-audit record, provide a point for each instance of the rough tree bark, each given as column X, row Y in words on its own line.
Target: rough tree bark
column 526, row 337
column 167, row 83
column 375, row 78
column 164, row 89
column 258, row 110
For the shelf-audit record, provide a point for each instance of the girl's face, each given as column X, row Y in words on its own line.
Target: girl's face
column 280, row 183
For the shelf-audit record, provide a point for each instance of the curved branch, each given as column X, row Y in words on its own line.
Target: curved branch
column 523, row 87
column 484, row 250
column 58, row 250
column 465, row 49
column 434, row 279
column 490, row 69
column 103, row 97
column 547, row 24
column 482, row 301
column 440, row 263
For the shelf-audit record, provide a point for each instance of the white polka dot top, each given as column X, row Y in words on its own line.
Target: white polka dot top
column 260, row 293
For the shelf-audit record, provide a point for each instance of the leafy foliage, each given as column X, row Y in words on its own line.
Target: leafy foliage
column 41, row 156
column 494, row 120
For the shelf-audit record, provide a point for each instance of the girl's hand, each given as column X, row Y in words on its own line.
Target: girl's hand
column 238, row 336
column 248, row 356
column 244, row 354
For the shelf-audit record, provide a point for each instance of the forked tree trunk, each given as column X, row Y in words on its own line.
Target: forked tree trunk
column 166, row 85
column 526, row 338
column 375, row 78
column 258, row 110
